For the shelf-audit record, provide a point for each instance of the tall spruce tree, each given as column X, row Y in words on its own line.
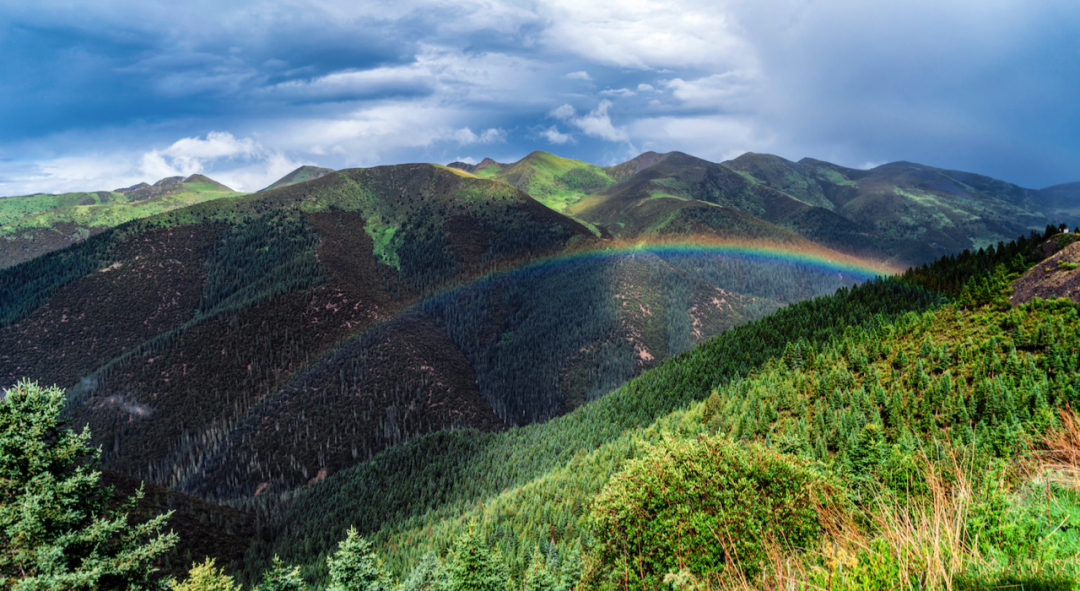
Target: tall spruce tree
column 475, row 567
column 57, row 528
column 355, row 567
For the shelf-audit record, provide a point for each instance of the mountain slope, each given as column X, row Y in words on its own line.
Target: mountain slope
column 1060, row 203
column 262, row 343
column 947, row 211
column 300, row 175
column 682, row 186
column 559, row 183
column 33, row 225
column 819, row 373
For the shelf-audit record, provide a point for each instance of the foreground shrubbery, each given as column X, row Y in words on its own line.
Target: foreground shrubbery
column 702, row 507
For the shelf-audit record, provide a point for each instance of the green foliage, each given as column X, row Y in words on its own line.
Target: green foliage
column 37, row 224
column 204, row 577
column 701, row 506
column 355, row 567
column 474, row 566
column 259, row 258
column 280, row 578
column 993, row 289
column 982, row 273
column 414, row 494
column 429, row 574
column 558, row 183
column 57, row 531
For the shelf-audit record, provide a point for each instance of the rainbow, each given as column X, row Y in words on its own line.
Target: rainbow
column 806, row 256
column 800, row 255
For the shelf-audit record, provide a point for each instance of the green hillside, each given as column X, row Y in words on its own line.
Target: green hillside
column 243, row 332
column 857, row 387
column 438, row 357
column 676, row 193
column 558, row 183
column 946, row 211
column 33, row 225
column 300, row 175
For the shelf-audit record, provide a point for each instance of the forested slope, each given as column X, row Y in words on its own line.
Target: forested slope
column 855, row 385
column 263, row 343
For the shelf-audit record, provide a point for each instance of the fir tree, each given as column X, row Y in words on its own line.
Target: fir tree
column 355, row 567
column 474, row 567
column 57, row 530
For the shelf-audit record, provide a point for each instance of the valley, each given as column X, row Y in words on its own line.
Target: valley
column 434, row 354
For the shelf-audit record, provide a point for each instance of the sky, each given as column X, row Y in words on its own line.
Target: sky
column 102, row 95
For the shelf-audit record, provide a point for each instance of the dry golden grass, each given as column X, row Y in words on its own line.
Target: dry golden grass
column 1060, row 460
column 888, row 544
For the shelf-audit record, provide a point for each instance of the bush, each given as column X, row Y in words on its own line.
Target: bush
column 700, row 507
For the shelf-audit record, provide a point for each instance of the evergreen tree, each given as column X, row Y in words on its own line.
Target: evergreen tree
column 204, row 577
column 428, row 575
column 474, row 567
column 277, row 578
column 355, row 567
column 57, row 530
column 539, row 577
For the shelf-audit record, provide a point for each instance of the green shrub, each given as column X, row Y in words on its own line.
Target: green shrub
column 700, row 507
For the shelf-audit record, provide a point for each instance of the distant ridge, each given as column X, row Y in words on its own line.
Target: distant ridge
column 32, row 225
column 171, row 185
column 300, row 175
column 486, row 169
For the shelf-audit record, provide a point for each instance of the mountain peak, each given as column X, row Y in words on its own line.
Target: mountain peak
column 621, row 172
column 303, row 174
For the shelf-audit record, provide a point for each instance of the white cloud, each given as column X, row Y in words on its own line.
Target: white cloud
column 260, row 174
column 193, row 155
column 597, row 123
column 712, row 137
column 563, row 112
column 553, row 136
column 872, row 164
column 722, row 91
column 644, row 34
column 465, row 136
column 579, row 76
column 645, row 88
column 465, row 159
column 620, row 92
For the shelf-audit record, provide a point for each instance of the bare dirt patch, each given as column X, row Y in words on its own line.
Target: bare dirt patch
column 1055, row 277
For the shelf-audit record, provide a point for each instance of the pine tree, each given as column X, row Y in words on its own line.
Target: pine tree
column 538, row 577
column 355, row 567
column 474, row 568
column 57, row 530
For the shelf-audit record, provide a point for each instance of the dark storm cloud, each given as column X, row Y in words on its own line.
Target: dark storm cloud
column 986, row 86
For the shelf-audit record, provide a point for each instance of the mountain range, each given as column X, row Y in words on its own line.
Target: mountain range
column 336, row 330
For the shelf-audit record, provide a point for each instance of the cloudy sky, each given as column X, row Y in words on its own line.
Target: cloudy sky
column 101, row 95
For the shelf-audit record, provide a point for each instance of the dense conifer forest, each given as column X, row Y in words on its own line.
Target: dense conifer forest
column 412, row 377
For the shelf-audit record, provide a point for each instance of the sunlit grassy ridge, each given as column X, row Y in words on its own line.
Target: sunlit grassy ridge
column 558, row 183
column 109, row 213
column 32, row 225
